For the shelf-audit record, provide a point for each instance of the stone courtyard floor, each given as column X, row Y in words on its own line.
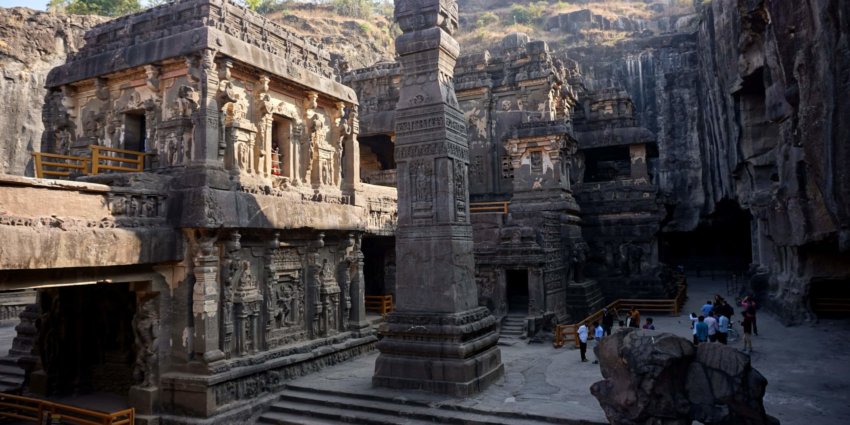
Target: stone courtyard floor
column 807, row 368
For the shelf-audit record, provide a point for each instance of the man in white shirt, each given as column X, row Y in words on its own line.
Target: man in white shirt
column 711, row 321
column 722, row 329
column 582, row 338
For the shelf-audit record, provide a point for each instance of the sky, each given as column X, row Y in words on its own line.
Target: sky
column 32, row 4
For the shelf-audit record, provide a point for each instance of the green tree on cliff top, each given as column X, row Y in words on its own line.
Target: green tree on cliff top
column 95, row 7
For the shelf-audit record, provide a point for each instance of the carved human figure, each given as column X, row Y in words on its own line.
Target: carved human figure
column 146, row 331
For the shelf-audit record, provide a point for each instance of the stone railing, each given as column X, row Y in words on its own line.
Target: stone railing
column 382, row 178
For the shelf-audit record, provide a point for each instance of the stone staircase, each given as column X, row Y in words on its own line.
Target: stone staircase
column 513, row 327
column 11, row 376
column 299, row 405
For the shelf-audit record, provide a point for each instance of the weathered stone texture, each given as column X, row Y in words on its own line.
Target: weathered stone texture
column 31, row 44
column 659, row 378
column 774, row 111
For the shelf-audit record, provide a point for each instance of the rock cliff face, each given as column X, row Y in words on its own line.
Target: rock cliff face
column 773, row 108
column 31, row 44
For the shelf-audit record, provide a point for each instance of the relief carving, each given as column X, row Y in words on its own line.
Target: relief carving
column 146, row 328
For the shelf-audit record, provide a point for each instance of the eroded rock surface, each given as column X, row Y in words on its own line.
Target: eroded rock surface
column 31, row 44
column 659, row 378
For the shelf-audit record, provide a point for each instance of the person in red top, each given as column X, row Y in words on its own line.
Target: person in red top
column 747, row 324
column 750, row 307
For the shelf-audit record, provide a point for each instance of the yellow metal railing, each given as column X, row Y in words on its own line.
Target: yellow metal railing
column 102, row 159
column 55, row 165
column 488, row 207
column 43, row 411
column 132, row 162
column 673, row 306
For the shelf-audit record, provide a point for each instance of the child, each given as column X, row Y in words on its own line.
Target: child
column 648, row 325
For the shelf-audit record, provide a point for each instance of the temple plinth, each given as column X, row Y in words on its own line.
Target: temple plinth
column 438, row 339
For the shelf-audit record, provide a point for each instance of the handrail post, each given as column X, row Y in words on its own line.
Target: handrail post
column 38, row 171
column 95, row 159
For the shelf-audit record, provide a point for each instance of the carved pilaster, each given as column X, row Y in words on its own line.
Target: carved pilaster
column 206, row 136
column 357, row 291
column 205, row 298
column 229, row 272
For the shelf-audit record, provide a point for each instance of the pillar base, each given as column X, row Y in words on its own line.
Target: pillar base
column 453, row 354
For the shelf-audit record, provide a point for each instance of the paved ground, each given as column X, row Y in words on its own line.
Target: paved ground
column 807, row 367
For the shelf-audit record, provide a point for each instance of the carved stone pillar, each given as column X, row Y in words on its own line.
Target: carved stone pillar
column 205, row 298
column 357, row 315
column 438, row 339
column 264, row 109
column 229, row 272
column 314, row 302
column 206, row 134
column 351, row 150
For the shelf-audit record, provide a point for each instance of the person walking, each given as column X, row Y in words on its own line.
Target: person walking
column 607, row 321
column 598, row 334
column 582, row 339
column 750, row 307
column 711, row 321
column 693, row 318
column 634, row 318
column 723, row 329
column 701, row 330
column 747, row 325
column 706, row 308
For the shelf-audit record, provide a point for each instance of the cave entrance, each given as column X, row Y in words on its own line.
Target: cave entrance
column 86, row 339
column 516, row 290
column 720, row 243
column 830, row 298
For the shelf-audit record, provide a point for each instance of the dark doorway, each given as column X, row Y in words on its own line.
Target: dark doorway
column 379, row 265
column 516, row 290
column 86, row 338
column 721, row 242
column 134, row 131
column 830, row 298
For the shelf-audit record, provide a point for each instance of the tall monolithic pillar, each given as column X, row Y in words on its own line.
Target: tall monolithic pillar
column 438, row 339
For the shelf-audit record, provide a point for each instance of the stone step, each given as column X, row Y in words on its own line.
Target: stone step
column 300, row 405
column 11, row 369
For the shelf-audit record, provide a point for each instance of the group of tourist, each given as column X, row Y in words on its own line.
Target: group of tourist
column 715, row 321
column 712, row 325
column 600, row 330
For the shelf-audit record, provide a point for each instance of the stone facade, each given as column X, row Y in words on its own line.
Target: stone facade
column 619, row 197
column 234, row 261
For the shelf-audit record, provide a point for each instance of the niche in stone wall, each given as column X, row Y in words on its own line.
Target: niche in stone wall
column 377, row 158
column 281, row 146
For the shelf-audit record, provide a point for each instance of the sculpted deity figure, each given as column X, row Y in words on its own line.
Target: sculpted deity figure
column 146, row 331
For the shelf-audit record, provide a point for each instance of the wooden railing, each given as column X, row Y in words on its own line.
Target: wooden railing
column 54, row 165
column 131, row 162
column 672, row 306
column 51, row 165
column 381, row 304
column 43, row 411
column 488, row 207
